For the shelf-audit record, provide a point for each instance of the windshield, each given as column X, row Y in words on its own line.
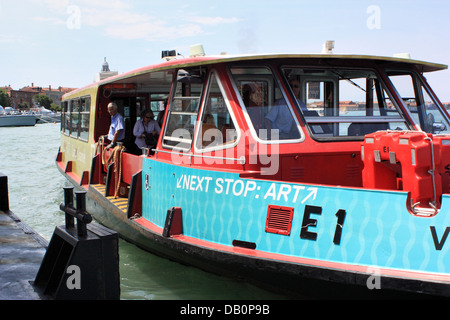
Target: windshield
column 424, row 109
column 269, row 114
column 344, row 103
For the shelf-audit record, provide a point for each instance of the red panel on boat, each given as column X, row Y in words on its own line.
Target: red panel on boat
column 399, row 160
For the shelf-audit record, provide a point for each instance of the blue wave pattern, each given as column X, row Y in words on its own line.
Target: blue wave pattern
column 221, row 207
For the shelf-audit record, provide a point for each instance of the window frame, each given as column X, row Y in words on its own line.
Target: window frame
column 308, row 120
column 173, row 97
column 67, row 111
column 275, row 79
column 81, row 136
column 419, row 85
column 215, row 74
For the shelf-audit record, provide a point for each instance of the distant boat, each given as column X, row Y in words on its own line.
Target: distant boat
column 16, row 120
column 44, row 115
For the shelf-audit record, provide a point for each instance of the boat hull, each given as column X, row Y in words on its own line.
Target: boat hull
column 49, row 119
column 294, row 274
column 18, row 121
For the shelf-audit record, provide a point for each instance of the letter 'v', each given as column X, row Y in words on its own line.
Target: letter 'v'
column 439, row 244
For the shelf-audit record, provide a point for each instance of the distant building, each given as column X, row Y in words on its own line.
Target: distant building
column 105, row 73
column 7, row 89
column 24, row 97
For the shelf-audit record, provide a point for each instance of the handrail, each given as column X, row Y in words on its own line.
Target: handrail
column 433, row 210
column 357, row 119
column 241, row 160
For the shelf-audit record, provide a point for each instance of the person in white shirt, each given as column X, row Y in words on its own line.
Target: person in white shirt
column 117, row 128
column 146, row 127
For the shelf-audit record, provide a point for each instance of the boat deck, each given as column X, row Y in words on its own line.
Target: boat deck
column 121, row 203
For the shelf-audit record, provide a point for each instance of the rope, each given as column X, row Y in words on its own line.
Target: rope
column 116, row 158
column 101, row 144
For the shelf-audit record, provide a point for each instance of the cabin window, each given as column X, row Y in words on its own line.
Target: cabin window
column 75, row 118
column 183, row 111
column 267, row 110
column 65, row 123
column 217, row 127
column 339, row 103
column 423, row 107
column 85, row 111
column 158, row 102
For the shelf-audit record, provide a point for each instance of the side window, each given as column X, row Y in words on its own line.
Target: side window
column 217, row 128
column 269, row 114
column 158, row 102
column 434, row 119
column 85, row 111
column 74, row 118
column 183, row 111
column 65, row 123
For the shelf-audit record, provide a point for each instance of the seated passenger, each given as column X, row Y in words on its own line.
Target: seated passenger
column 117, row 128
column 252, row 98
column 210, row 133
column 146, row 130
column 280, row 117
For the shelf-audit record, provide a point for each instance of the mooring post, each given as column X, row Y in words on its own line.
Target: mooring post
column 83, row 218
column 4, row 197
column 68, row 202
column 81, row 214
column 82, row 265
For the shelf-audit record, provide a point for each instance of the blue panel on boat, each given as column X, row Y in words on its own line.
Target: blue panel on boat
column 346, row 225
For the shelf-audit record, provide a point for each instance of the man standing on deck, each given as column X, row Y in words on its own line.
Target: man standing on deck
column 117, row 128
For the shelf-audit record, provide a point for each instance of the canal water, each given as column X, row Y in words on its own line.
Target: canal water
column 27, row 157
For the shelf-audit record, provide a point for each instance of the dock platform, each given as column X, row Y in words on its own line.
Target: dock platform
column 21, row 253
column 33, row 269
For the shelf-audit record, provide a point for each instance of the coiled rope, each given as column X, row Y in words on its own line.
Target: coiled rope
column 116, row 158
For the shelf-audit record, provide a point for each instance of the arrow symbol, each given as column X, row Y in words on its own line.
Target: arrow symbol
column 312, row 193
column 179, row 182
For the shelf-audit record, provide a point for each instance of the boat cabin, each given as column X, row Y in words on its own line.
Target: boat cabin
column 277, row 167
column 294, row 118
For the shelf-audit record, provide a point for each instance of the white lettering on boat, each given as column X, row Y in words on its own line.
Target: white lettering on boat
column 247, row 188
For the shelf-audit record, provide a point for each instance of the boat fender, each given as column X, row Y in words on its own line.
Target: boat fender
column 174, row 223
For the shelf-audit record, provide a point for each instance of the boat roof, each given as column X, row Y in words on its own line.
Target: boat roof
column 182, row 62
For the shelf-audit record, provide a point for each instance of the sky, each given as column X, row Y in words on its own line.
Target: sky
column 64, row 42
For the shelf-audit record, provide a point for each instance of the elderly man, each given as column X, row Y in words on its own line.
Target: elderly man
column 117, row 128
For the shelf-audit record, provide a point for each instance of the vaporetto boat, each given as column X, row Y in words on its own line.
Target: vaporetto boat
column 263, row 172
